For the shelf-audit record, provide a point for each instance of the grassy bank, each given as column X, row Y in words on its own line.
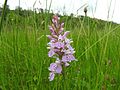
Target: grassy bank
column 24, row 61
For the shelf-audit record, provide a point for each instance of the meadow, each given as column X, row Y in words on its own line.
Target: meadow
column 24, row 57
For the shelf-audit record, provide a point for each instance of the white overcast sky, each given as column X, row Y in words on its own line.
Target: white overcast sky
column 102, row 9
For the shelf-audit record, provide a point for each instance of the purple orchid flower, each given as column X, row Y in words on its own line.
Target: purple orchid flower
column 59, row 48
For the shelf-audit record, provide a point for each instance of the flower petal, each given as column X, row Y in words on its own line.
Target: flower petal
column 59, row 69
column 51, row 53
column 51, row 76
column 52, row 67
column 66, row 33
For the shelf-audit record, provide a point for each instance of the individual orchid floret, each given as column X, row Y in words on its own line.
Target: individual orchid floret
column 54, row 68
column 68, row 58
column 59, row 48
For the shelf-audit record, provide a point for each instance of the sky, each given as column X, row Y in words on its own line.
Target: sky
column 101, row 9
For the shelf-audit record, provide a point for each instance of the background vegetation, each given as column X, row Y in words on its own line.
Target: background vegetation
column 23, row 54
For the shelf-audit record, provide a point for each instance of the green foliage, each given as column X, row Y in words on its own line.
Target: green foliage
column 24, row 61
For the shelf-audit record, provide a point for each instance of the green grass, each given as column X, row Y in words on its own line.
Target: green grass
column 24, row 61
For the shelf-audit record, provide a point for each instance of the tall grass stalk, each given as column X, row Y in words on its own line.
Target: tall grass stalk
column 3, row 14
